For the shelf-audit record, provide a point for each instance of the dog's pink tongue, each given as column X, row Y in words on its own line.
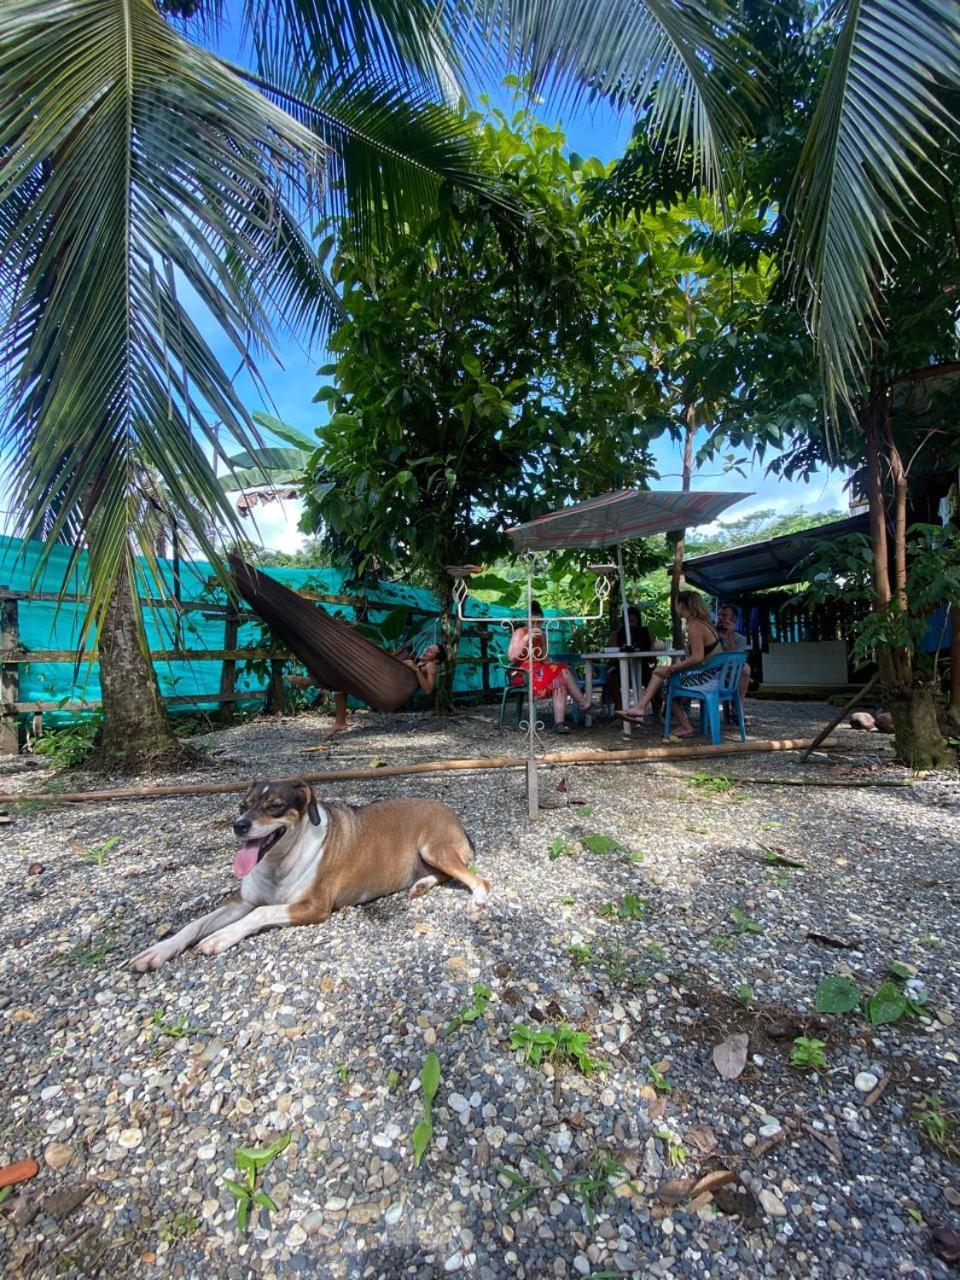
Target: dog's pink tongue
column 246, row 858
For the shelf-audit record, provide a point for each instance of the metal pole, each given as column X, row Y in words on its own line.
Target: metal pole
column 533, row 788
column 623, row 595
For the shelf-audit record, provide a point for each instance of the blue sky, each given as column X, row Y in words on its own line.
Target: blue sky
column 292, row 380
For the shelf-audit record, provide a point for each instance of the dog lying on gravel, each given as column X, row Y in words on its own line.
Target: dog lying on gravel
column 300, row 860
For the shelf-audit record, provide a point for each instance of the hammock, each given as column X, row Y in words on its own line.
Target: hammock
column 331, row 650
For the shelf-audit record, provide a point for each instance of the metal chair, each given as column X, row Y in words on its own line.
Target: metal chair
column 517, row 691
column 725, row 691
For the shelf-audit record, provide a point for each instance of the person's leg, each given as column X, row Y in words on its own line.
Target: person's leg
column 340, row 712
column 638, row 708
column 559, row 694
column 570, row 686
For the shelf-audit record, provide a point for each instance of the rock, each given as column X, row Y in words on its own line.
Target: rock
column 865, row 1082
column 393, row 1213
column 296, row 1236
column 130, row 1138
column 313, row 1221
column 58, row 1155
column 772, row 1204
column 769, row 1130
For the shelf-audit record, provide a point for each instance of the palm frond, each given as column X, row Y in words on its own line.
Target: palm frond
column 142, row 185
column 860, row 175
column 408, row 42
column 390, row 148
column 675, row 64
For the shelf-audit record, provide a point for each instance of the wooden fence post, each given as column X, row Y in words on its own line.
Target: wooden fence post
column 228, row 672
column 9, row 675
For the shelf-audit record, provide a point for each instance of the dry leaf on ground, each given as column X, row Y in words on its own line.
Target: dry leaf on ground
column 730, row 1056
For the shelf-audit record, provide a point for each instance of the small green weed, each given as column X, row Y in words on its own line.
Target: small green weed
column 709, row 782
column 178, row 1029
column 807, row 1054
column 656, row 950
column 940, row 1124
column 393, row 1078
column 559, row 1044
column 91, row 953
column 631, row 908
column 723, row 942
column 743, row 923
column 591, row 1186
column 745, row 995
column 777, row 858
column 250, row 1161
column 342, row 1073
column 568, row 900
column 429, row 1083
column 658, row 1079
column 582, row 953
column 181, row 1227
column 600, row 844
column 98, row 854
column 676, row 1152
column 68, row 747
column 560, row 846
column 481, row 998
column 637, row 856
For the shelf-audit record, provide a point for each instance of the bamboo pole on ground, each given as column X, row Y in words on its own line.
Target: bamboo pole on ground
column 705, row 752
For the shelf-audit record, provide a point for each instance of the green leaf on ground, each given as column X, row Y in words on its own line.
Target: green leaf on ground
column 887, row 1005
column 836, row 994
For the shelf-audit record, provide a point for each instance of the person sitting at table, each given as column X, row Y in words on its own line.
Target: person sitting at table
column 734, row 642
column 554, row 678
column 640, row 638
column 702, row 642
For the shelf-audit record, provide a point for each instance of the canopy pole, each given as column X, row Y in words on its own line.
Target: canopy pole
column 533, row 786
column 624, row 609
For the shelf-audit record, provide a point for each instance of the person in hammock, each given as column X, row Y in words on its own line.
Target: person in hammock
column 426, row 667
column 554, row 678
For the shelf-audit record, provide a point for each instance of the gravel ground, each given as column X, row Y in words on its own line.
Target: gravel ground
column 133, row 1092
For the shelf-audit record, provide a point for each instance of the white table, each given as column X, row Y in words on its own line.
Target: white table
column 631, row 676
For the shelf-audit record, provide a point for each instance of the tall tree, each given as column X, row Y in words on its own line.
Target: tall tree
column 483, row 377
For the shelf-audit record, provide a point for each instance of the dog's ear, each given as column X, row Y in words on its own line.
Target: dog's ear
column 309, row 797
column 250, row 794
column 313, row 808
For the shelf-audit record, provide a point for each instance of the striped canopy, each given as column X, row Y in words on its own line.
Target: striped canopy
column 619, row 517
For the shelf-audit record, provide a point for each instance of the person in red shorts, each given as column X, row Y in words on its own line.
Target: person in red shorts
column 554, row 678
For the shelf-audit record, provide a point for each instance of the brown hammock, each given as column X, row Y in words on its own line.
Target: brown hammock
column 331, row 650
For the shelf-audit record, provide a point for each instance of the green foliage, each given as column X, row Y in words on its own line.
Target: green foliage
column 601, row 844
column 69, row 746
column 251, row 1161
column 560, row 1044
column 630, row 908
column 179, row 1029
column 777, row 858
column 744, row 925
column 591, row 1186
column 559, row 846
column 707, row 782
column 98, row 854
column 887, row 1004
column 658, row 1079
column 745, row 995
column 475, row 348
column 807, row 1054
column 91, row 953
column 940, row 1124
column 429, row 1084
column 836, row 994
column 470, row 1014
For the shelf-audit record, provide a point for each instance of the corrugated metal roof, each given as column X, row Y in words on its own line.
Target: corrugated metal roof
column 776, row 562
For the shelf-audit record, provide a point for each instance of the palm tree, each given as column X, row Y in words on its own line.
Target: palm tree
column 145, row 180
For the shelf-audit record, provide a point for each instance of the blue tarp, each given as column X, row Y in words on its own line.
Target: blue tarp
column 45, row 625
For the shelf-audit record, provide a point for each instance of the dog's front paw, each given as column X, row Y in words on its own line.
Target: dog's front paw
column 152, row 958
column 216, row 944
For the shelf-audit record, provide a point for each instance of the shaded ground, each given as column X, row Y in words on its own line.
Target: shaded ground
column 135, row 1091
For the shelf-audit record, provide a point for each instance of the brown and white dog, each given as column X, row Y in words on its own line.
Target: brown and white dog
column 300, row 860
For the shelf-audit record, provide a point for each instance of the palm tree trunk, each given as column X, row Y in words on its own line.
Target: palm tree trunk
column 136, row 736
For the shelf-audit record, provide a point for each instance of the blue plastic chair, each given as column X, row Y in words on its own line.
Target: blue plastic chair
column 726, row 690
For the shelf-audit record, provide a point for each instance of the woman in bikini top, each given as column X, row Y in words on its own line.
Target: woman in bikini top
column 702, row 641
